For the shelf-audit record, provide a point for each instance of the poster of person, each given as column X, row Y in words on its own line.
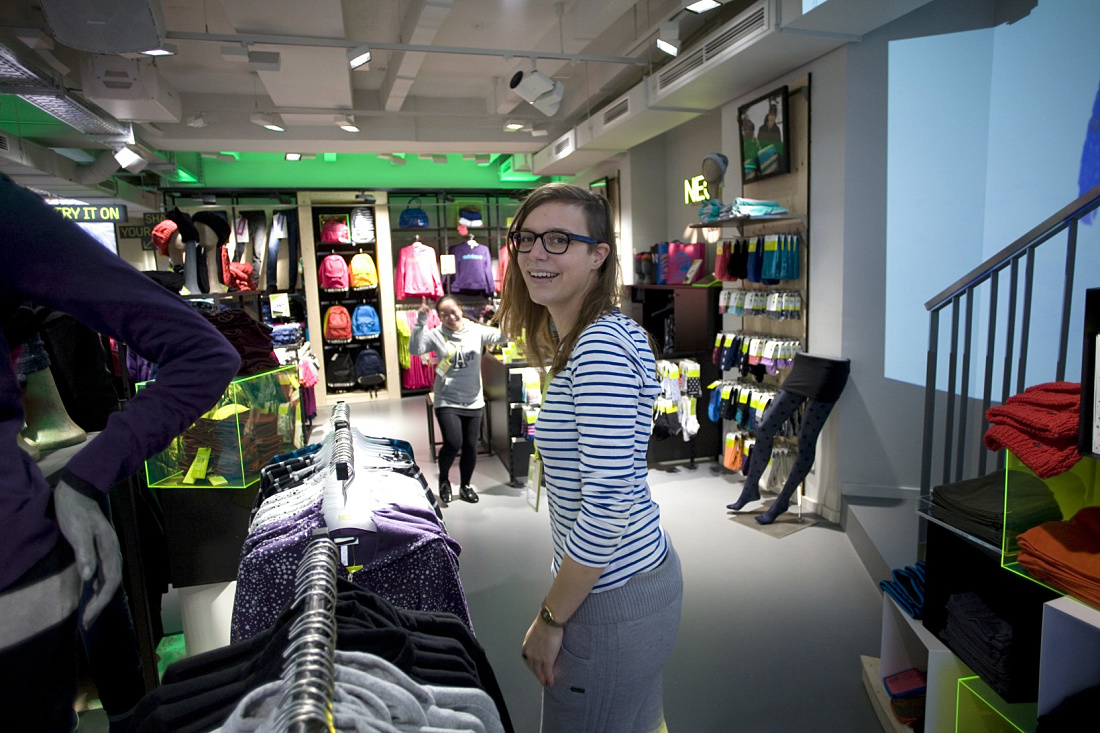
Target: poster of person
column 765, row 148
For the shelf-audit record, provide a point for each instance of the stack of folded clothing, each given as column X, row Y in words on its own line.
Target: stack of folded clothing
column 1066, row 555
column 233, row 455
column 249, row 337
column 981, row 639
column 1040, row 426
column 907, row 588
column 977, row 506
column 286, row 334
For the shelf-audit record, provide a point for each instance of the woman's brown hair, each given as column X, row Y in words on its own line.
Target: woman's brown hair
column 518, row 313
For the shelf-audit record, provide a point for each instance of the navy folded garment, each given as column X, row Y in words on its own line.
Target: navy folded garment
column 907, row 588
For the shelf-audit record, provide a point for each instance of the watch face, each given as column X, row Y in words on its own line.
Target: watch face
column 545, row 613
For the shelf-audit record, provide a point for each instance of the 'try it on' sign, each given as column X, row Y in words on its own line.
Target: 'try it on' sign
column 92, row 213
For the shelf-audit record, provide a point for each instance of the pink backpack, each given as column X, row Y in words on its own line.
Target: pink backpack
column 333, row 273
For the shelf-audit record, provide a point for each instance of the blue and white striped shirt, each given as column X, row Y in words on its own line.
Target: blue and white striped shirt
column 592, row 435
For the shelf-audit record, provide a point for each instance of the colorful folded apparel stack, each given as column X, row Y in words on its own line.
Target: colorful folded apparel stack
column 907, row 588
column 1040, row 426
column 1066, row 555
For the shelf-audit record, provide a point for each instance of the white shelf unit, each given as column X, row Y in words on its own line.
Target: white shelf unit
column 1069, row 659
column 907, row 644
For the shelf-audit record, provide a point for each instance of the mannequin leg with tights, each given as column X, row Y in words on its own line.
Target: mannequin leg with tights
column 812, row 421
column 782, row 407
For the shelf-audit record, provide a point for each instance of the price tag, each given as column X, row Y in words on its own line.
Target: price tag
column 198, row 467
column 280, row 304
column 534, row 481
column 446, row 264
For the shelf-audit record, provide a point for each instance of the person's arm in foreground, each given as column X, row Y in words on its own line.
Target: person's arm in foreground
column 52, row 262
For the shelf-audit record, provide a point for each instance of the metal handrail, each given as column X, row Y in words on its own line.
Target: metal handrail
column 959, row 297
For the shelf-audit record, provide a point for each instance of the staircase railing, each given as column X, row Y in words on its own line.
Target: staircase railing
column 953, row 431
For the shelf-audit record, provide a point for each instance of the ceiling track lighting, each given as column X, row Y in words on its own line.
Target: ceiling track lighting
column 346, row 123
column 268, row 122
column 196, row 121
column 668, row 38
column 701, row 6
column 359, row 57
column 367, row 198
column 130, row 160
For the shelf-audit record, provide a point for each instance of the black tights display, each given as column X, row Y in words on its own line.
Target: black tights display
column 460, row 433
column 782, row 407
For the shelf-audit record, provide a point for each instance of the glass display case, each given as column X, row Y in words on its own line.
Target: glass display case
column 256, row 418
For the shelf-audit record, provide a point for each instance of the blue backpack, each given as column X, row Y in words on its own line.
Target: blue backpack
column 370, row 370
column 365, row 322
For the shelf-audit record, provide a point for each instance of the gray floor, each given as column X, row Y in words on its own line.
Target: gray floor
column 772, row 629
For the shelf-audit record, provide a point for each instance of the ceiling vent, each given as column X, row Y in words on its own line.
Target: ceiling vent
column 105, row 26
column 719, row 47
column 628, row 121
column 129, row 89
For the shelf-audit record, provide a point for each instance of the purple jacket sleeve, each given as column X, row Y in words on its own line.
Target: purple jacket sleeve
column 54, row 263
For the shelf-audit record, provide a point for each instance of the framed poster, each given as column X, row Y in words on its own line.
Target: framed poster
column 765, row 136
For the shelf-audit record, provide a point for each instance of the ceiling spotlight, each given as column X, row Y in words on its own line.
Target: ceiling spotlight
column 539, row 90
column 264, row 60
column 668, row 38
column 513, row 126
column 359, row 56
column 196, row 121
column 701, row 6
column 237, row 53
column 267, row 122
column 293, row 156
column 346, row 123
column 164, row 49
column 367, row 198
column 130, row 160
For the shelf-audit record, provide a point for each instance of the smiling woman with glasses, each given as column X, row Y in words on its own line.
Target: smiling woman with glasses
column 608, row 623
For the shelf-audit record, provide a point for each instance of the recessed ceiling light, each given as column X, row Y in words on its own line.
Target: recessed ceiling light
column 513, row 126
column 293, row 156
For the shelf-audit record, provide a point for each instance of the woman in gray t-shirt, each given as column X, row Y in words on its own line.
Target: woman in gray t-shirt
column 458, row 344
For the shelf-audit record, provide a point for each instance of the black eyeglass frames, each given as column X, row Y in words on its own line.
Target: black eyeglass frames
column 554, row 241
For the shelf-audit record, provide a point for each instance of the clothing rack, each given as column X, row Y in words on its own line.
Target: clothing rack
column 309, row 673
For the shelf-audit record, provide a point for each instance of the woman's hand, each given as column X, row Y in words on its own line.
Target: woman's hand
column 541, row 647
column 424, row 308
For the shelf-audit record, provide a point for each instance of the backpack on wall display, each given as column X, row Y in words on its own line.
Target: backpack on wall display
column 337, row 324
column 362, row 225
column 413, row 217
column 333, row 273
column 334, row 230
column 365, row 322
column 370, row 370
column 363, row 273
column 339, row 371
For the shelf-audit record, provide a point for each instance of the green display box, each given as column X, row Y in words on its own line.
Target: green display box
column 979, row 709
column 258, row 417
column 1030, row 501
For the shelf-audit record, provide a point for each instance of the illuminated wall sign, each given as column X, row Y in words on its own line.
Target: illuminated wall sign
column 695, row 190
column 89, row 213
column 143, row 231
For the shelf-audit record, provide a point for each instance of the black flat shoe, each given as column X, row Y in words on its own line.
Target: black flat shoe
column 445, row 492
column 468, row 494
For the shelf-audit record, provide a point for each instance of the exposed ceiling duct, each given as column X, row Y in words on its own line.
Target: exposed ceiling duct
column 18, row 76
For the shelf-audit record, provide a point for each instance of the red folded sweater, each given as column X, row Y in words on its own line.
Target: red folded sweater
column 1045, row 458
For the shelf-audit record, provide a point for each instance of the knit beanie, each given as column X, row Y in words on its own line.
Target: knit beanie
column 217, row 223
column 1046, row 459
column 187, row 229
column 1038, row 422
column 162, row 235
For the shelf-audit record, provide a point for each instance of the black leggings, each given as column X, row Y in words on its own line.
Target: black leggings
column 782, row 407
column 461, row 430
